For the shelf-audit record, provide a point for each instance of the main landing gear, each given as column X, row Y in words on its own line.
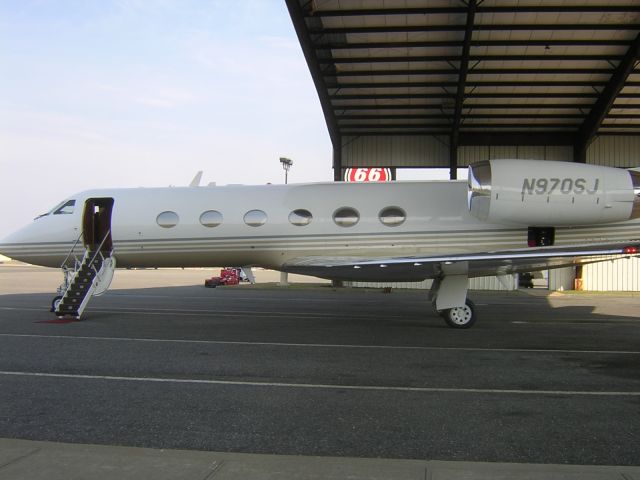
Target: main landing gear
column 449, row 297
column 460, row 317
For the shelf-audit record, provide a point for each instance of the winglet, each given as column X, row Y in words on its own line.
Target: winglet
column 196, row 180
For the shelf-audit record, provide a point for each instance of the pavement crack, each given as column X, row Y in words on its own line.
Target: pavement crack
column 21, row 457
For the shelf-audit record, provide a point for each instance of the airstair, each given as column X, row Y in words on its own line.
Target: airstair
column 86, row 275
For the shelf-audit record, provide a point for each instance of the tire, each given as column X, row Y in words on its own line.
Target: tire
column 212, row 282
column 460, row 317
column 55, row 302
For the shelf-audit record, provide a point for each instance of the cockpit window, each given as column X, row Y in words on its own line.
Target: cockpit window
column 63, row 208
column 66, row 208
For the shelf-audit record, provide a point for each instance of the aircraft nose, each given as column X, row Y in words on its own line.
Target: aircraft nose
column 15, row 244
column 3, row 252
column 32, row 245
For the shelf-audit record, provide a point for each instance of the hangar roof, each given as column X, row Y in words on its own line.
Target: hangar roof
column 482, row 71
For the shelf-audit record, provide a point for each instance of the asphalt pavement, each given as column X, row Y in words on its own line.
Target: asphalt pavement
column 316, row 372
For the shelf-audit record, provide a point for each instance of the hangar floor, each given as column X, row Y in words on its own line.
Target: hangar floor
column 309, row 370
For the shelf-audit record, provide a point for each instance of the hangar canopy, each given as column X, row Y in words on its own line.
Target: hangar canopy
column 480, row 72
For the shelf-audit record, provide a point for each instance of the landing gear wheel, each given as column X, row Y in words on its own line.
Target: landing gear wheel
column 460, row 317
column 55, row 302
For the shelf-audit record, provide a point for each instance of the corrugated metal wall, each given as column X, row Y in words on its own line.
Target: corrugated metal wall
column 395, row 151
column 562, row 278
column 470, row 155
column 433, row 151
column 615, row 151
column 622, row 274
column 612, row 275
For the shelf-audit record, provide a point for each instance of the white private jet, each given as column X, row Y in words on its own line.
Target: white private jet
column 511, row 216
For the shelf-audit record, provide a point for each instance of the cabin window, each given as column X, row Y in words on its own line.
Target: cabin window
column 66, row 208
column 392, row 216
column 300, row 217
column 255, row 218
column 346, row 217
column 167, row 219
column 211, row 218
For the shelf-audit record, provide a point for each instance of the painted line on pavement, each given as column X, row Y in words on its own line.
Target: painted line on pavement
column 322, row 386
column 318, row 345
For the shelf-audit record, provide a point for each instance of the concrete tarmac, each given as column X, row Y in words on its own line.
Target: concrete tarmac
column 30, row 460
column 331, row 377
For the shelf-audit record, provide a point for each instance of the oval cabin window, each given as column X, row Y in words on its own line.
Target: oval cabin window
column 300, row 217
column 346, row 217
column 255, row 218
column 211, row 218
column 392, row 216
column 167, row 219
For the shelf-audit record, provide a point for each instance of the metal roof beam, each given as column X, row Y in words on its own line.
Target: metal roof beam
column 606, row 99
column 489, row 27
column 480, row 58
column 472, row 126
column 486, row 83
column 479, row 106
column 417, row 116
column 332, row 45
column 515, row 83
column 481, row 83
column 392, row 95
column 489, row 9
column 410, row 96
column 519, row 138
column 476, row 71
column 403, row 133
column 402, row 72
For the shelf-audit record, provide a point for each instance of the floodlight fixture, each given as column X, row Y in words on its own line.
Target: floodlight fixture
column 286, row 165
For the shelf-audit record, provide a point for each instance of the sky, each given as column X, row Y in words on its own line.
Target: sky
column 128, row 93
column 145, row 93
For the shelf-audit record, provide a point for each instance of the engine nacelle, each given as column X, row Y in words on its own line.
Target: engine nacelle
column 546, row 193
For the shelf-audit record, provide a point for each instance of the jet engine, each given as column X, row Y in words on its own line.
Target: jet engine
column 545, row 193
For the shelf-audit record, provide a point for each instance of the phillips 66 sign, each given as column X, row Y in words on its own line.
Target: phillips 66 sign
column 367, row 175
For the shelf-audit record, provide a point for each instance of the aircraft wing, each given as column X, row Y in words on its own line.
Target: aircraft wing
column 418, row 268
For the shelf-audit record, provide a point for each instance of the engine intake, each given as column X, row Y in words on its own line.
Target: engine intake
column 542, row 193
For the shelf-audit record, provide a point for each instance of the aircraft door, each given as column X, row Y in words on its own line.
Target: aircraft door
column 96, row 223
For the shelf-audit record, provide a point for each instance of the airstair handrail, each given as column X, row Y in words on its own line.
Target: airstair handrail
column 64, row 263
column 99, row 251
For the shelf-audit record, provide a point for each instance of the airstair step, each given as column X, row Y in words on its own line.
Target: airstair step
column 75, row 295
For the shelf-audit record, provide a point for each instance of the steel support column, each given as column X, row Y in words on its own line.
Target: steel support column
column 580, row 153
column 337, row 161
column 453, row 156
column 462, row 84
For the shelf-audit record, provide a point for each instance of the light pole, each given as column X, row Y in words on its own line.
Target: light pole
column 286, row 164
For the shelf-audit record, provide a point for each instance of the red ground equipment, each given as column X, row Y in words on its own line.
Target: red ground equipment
column 228, row 276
